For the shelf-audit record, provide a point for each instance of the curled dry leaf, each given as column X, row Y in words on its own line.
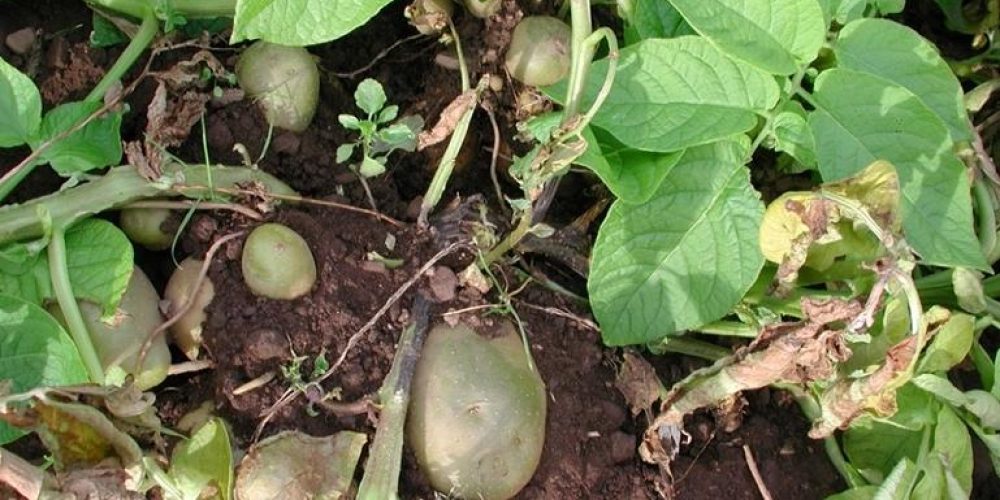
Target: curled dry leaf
column 875, row 393
column 637, row 381
column 809, row 230
column 798, row 353
column 448, row 120
column 178, row 103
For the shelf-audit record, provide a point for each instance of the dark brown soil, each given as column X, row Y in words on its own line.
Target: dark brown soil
column 591, row 436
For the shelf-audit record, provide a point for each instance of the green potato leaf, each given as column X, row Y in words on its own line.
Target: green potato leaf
column 950, row 345
column 983, row 405
column 100, row 260
column 301, row 22
column 793, row 136
column 875, row 450
column 658, row 19
column 948, row 465
column 104, row 33
column 34, row 352
column 861, row 118
column 99, row 257
column 673, row 94
column 968, row 287
column 20, row 107
column 897, row 53
column 778, row 37
column 860, row 493
column 96, row 145
column 899, row 483
column 204, row 459
column 683, row 258
column 632, row 175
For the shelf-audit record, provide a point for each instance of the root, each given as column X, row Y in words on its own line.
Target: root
column 188, row 204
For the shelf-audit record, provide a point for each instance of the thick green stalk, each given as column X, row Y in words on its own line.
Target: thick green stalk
column 580, row 56
column 447, row 164
column 385, row 457
column 728, row 329
column 187, row 8
column 985, row 217
column 692, row 347
column 143, row 38
column 63, row 289
column 122, row 185
column 15, row 177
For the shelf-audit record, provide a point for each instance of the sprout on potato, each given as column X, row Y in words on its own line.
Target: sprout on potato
column 186, row 331
column 477, row 413
column 119, row 340
column 539, row 52
column 283, row 80
column 277, row 263
column 145, row 227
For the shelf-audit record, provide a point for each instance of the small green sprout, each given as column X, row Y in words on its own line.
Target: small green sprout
column 377, row 138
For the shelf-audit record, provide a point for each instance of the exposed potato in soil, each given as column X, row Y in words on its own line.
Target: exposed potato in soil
column 477, row 413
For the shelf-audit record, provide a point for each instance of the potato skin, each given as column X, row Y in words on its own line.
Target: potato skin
column 186, row 331
column 277, row 262
column 118, row 342
column 477, row 414
column 283, row 80
column 142, row 225
column 539, row 52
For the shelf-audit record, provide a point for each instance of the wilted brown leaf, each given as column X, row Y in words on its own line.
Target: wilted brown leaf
column 637, row 381
column 448, row 120
column 799, row 352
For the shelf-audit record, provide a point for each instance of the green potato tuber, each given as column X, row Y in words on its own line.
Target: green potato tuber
column 119, row 339
column 483, row 8
column 283, row 80
column 477, row 413
column 145, row 227
column 277, row 263
column 539, row 52
column 186, row 331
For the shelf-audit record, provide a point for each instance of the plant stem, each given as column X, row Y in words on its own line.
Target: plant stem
column 143, row 38
column 447, row 164
column 435, row 190
column 512, row 239
column 121, row 185
column 187, row 8
column 728, row 329
column 385, row 456
column 580, row 55
column 63, row 289
column 986, row 216
column 692, row 347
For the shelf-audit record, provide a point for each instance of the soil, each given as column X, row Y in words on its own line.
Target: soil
column 591, row 434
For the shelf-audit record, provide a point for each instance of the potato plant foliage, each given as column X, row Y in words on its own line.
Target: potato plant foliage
column 698, row 78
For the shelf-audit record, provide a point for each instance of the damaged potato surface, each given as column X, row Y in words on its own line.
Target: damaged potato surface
column 477, row 414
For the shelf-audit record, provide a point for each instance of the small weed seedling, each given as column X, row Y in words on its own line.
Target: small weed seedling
column 377, row 138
